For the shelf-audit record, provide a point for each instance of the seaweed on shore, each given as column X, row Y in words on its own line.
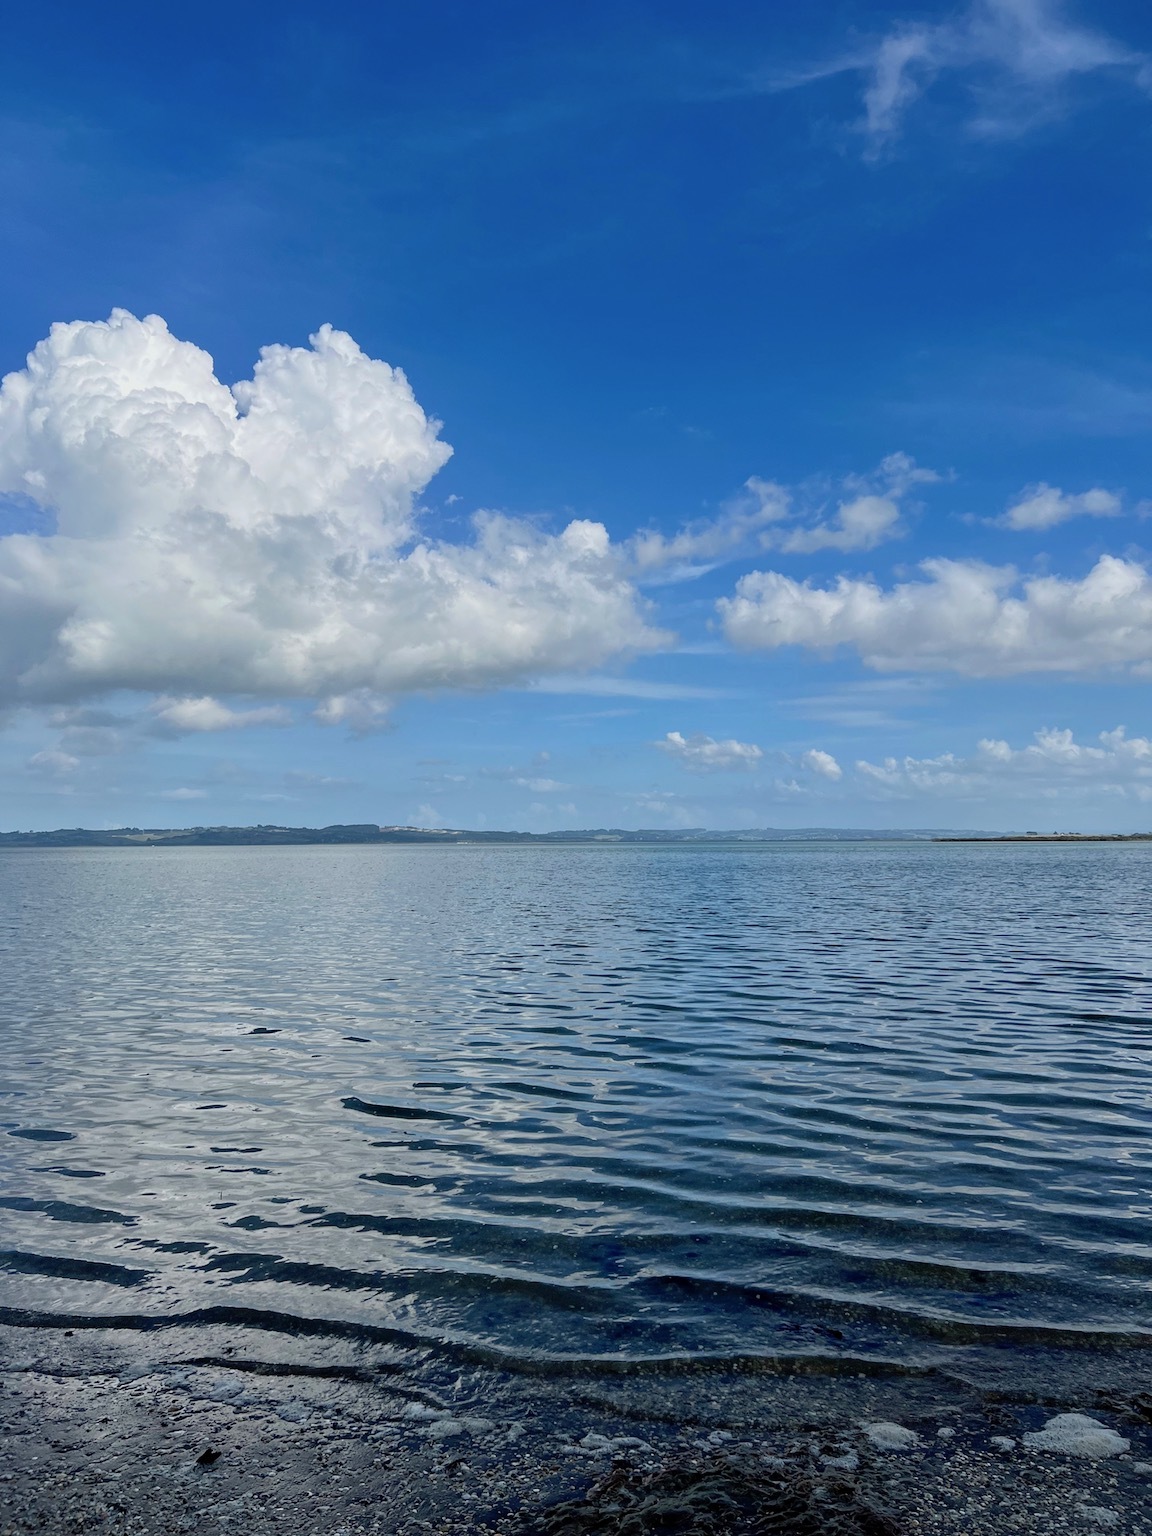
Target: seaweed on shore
column 723, row 1495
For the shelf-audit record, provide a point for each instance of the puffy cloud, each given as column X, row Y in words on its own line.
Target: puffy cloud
column 263, row 539
column 704, row 754
column 821, row 763
column 859, row 524
column 965, row 617
column 868, row 517
column 179, row 717
column 1054, row 764
column 1044, row 506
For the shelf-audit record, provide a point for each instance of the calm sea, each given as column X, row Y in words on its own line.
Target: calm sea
column 855, row 1101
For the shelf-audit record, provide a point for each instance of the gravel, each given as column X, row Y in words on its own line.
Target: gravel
column 109, row 1435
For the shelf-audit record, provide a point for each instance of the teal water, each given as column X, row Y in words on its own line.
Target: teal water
column 848, row 1102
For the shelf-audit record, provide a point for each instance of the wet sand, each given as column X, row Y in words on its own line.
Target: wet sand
column 226, row 1429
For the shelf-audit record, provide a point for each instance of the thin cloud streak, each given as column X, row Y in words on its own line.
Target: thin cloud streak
column 1015, row 57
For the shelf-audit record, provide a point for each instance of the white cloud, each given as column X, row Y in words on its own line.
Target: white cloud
column 56, row 764
column 965, row 617
column 698, row 546
column 1014, row 55
column 540, row 786
column 766, row 515
column 625, row 688
column 363, row 712
column 1044, row 506
column 859, row 524
column 867, row 518
column 186, row 716
column 264, row 539
column 821, row 763
column 183, row 793
column 1053, row 765
column 704, row 754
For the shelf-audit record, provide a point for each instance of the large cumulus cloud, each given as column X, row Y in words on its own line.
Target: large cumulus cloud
column 263, row 539
column 965, row 617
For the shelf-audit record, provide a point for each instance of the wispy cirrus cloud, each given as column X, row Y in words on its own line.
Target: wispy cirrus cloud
column 1014, row 60
column 596, row 686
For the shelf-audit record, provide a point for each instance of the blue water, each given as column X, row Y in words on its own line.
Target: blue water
column 852, row 1102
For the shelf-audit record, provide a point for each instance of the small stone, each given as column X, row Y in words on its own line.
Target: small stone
column 849, row 1462
column 594, row 1442
column 886, row 1436
column 1098, row 1515
column 1003, row 1442
column 944, row 1433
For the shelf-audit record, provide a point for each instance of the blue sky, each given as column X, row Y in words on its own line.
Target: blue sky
column 822, row 330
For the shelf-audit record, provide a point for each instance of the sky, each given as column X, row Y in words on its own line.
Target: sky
column 614, row 415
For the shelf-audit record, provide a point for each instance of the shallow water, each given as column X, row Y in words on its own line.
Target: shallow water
column 847, row 1103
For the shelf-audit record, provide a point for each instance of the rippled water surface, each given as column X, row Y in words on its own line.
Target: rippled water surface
column 840, row 1100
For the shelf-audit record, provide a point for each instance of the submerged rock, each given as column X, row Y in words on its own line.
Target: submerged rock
column 1098, row 1515
column 886, row 1436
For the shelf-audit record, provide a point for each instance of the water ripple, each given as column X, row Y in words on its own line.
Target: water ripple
column 631, row 1107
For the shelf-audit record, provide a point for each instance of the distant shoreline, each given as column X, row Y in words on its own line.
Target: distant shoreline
column 263, row 836
column 1050, row 837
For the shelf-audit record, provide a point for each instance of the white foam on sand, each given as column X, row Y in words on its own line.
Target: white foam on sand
column 886, row 1436
column 1075, row 1434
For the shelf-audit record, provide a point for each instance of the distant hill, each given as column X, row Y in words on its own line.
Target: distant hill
column 368, row 832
